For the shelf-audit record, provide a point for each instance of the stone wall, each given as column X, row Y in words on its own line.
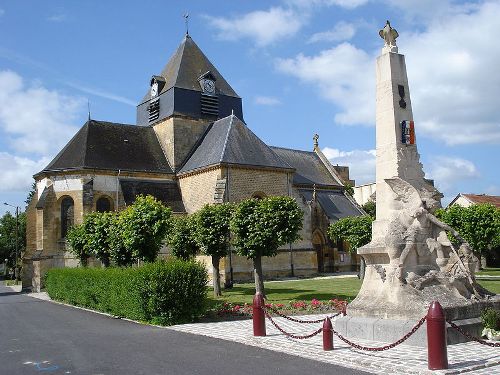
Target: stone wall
column 198, row 189
column 244, row 183
column 177, row 137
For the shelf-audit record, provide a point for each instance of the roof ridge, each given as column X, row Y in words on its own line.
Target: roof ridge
column 86, row 141
column 227, row 137
column 293, row 149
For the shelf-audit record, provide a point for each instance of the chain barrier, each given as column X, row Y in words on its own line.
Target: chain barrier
column 289, row 334
column 277, row 312
column 386, row 347
column 473, row 338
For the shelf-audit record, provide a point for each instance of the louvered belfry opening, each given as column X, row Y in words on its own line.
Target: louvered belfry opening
column 209, row 105
column 154, row 109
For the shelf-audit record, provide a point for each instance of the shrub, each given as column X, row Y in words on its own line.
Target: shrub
column 491, row 319
column 161, row 292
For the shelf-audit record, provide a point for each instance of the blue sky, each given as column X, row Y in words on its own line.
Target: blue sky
column 301, row 67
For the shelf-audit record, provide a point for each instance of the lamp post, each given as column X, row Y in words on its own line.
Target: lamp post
column 16, row 272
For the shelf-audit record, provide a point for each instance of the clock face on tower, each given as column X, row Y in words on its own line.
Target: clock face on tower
column 154, row 89
column 208, row 86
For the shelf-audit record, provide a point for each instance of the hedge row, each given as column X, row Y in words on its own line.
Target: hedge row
column 164, row 292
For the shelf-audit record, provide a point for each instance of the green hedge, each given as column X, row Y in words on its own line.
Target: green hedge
column 164, row 292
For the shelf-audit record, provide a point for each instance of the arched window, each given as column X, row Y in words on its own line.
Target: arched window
column 67, row 215
column 103, row 204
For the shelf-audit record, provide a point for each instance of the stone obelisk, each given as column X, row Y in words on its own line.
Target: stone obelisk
column 410, row 261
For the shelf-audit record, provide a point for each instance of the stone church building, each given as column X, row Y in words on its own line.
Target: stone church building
column 190, row 147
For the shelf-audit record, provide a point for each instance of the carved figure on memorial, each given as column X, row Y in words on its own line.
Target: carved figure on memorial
column 389, row 35
column 417, row 239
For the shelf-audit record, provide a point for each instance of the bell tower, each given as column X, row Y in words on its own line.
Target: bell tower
column 184, row 99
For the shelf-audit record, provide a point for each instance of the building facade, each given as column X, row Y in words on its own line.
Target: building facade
column 190, row 147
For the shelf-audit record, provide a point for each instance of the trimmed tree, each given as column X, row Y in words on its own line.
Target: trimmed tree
column 371, row 209
column 478, row 224
column 211, row 228
column 356, row 230
column 98, row 226
column 143, row 226
column 260, row 227
column 77, row 240
column 182, row 239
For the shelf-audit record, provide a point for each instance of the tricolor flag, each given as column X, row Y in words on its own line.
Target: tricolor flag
column 408, row 132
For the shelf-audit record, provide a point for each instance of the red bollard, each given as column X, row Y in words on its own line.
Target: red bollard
column 327, row 334
column 436, row 338
column 259, row 319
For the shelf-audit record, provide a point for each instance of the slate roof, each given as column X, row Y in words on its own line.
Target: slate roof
column 230, row 141
column 185, row 67
column 107, row 145
column 167, row 192
column 309, row 169
column 334, row 203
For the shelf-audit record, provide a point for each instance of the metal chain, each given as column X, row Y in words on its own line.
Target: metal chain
column 469, row 336
column 386, row 347
column 277, row 312
column 289, row 334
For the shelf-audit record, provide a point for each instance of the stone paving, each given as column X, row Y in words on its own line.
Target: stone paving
column 469, row 358
column 463, row 358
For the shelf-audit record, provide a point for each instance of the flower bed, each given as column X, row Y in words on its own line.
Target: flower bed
column 232, row 310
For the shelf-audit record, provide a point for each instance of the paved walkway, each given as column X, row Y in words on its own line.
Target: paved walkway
column 467, row 358
column 463, row 358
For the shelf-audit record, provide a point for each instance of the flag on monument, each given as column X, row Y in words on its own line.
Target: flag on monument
column 408, row 132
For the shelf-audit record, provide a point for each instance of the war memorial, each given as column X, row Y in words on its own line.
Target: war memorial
column 410, row 261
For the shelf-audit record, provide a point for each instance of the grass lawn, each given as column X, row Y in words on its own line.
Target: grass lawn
column 489, row 271
column 293, row 290
column 306, row 290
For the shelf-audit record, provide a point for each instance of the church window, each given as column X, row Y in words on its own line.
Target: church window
column 103, row 204
column 67, row 215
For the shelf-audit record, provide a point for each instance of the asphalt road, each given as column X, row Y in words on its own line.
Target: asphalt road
column 39, row 337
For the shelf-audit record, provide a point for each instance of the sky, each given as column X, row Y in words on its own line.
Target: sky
column 301, row 66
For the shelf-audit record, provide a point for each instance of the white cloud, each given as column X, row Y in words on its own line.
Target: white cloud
column 344, row 75
column 348, row 4
column 454, row 80
column 342, row 31
column 58, row 17
column 17, row 172
column 452, row 67
column 447, row 172
column 361, row 163
column 263, row 26
column 267, row 100
column 36, row 120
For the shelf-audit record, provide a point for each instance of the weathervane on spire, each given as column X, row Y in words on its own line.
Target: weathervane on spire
column 389, row 35
column 186, row 19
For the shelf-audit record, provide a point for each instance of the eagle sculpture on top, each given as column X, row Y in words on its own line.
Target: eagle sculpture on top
column 389, row 35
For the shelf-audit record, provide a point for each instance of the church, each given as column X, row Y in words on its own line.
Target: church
column 190, row 147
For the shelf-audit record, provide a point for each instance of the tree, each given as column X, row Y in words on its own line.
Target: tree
column 77, row 240
column 371, row 209
column 142, row 227
column 8, row 236
column 349, row 189
column 211, row 228
column 31, row 194
column 98, row 226
column 181, row 239
column 261, row 226
column 478, row 224
column 357, row 230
